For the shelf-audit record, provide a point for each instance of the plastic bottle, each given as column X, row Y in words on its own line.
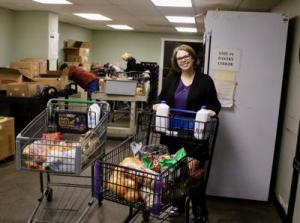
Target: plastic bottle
column 94, row 113
column 162, row 117
column 202, row 117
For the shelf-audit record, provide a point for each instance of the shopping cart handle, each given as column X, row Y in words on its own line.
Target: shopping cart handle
column 182, row 111
column 75, row 101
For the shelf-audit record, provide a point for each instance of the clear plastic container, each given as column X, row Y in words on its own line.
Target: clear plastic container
column 153, row 150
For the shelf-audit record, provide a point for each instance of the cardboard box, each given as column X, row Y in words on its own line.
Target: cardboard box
column 72, row 63
column 29, row 69
column 35, row 88
column 78, row 44
column 80, row 59
column 7, row 76
column 77, row 51
column 42, row 64
column 17, row 90
column 29, row 89
column 70, row 43
column 58, row 82
column 51, row 73
column 7, row 137
column 25, row 89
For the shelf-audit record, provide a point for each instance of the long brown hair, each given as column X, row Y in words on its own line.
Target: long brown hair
column 186, row 48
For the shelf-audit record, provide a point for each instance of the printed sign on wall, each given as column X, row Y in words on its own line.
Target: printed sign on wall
column 226, row 59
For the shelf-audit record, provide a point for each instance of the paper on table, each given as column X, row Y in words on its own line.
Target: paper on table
column 225, row 84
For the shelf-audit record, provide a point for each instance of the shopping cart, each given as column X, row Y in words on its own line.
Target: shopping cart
column 148, row 193
column 62, row 141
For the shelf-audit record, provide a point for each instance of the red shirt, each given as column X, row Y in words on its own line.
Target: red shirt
column 81, row 77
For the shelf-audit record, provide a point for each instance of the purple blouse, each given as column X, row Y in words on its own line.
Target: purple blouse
column 181, row 95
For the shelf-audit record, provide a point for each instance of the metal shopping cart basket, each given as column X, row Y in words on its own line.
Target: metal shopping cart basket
column 61, row 142
column 146, row 192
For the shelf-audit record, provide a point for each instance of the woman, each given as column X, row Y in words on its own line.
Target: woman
column 87, row 80
column 186, row 88
column 131, row 62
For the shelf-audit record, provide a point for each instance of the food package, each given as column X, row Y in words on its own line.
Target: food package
column 150, row 156
column 50, row 155
column 36, row 152
column 132, row 195
column 122, row 186
column 156, row 157
column 55, row 136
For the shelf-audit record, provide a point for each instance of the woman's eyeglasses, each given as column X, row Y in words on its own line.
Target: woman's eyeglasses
column 185, row 57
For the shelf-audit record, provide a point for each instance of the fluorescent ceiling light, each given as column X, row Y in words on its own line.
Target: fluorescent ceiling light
column 181, row 19
column 123, row 27
column 61, row 2
column 173, row 3
column 93, row 16
column 186, row 29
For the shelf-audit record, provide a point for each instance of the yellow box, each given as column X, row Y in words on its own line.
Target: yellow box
column 7, row 137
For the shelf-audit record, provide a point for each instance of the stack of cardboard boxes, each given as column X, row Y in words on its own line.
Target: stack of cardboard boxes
column 77, row 52
column 29, row 80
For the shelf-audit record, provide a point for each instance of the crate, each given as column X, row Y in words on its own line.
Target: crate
column 121, row 87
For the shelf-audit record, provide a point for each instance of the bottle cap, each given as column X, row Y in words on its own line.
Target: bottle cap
column 203, row 107
column 163, row 102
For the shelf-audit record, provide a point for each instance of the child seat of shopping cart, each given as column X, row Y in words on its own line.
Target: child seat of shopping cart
column 128, row 179
column 63, row 140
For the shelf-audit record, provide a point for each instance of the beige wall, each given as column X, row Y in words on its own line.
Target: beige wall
column 108, row 46
column 7, row 24
column 292, row 115
column 31, row 34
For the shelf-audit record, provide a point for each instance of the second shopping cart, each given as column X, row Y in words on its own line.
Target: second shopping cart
column 61, row 142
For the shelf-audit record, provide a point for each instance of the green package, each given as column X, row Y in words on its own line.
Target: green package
column 147, row 162
column 180, row 154
column 167, row 162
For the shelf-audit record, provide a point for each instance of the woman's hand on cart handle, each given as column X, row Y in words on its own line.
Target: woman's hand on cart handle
column 154, row 107
column 211, row 113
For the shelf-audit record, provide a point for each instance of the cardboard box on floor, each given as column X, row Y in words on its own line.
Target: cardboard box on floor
column 7, row 137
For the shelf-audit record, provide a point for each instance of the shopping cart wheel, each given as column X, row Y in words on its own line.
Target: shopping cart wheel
column 146, row 216
column 49, row 194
